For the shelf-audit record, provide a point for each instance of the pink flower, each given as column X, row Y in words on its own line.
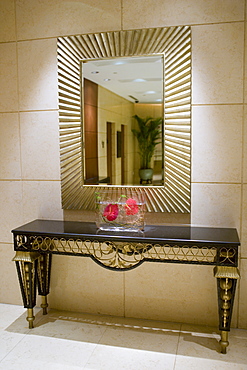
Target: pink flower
column 131, row 207
column 111, row 212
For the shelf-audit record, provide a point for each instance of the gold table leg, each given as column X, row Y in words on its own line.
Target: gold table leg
column 26, row 264
column 30, row 317
column 226, row 281
column 224, row 341
column 44, row 304
column 44, row 271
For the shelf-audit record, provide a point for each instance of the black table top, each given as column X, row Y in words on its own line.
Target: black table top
column 151, row 233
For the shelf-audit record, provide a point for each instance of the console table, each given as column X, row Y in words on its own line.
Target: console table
column 36, row 241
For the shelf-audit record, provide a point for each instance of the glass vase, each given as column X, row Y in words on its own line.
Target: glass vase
column 120, row 210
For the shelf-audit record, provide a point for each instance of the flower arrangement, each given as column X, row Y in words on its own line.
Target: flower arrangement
column 120, row 212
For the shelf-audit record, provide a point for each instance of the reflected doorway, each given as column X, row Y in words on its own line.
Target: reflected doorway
column 123, row 151
column 109, row 151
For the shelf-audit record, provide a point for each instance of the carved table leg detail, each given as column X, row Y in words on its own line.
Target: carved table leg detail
column 44, row 272
column 26, row 265
column 226, row 283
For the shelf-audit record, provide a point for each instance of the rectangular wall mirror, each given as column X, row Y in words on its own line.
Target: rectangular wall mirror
column 110, row 84
column 115, row 90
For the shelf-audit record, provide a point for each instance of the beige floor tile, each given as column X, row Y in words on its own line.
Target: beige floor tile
column 146, row 325
column 189, row 363
column 34, row 352
column 8, row 313
column 198, row 346
column 7, row 342
column 141, row 341
column 70, row 325
column 107, row 357
column 63, row 340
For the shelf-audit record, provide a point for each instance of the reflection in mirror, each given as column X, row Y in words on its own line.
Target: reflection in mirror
column 173, row 44
column 116, row 90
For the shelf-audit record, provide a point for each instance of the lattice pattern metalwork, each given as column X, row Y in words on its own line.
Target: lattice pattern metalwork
column 126, row 255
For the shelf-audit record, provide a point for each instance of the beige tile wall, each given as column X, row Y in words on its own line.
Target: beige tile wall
column 29, row 159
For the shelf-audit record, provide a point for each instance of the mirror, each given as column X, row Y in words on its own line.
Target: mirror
column 173, row 46
column 115, row 90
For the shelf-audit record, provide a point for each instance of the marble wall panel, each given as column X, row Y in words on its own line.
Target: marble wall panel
column 40, row 145
column 216, row 205
column 217, row 63
column 216, row 143
column 242, row 320
column 8, row 78
column 179, row 12
column 244, row 223
column 54, row 18
column 79, row 284
column 181, row 293
column 42, row 199
column 9, row 287
column 37, row 74
column 11, row 215
column 7, row 21
column 10, row 146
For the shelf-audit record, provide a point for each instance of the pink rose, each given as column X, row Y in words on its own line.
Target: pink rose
column 131, row 207
column 111, row 212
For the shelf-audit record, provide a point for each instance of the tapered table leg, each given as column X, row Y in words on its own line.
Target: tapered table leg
column 44, row 273
column 26, row 265
column 226, row 284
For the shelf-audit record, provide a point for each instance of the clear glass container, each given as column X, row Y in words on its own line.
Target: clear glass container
column 120, row 210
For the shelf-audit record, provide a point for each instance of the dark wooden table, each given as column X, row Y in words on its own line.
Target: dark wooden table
column 36, row 241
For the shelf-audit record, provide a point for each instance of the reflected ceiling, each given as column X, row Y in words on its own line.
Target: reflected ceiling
column 137, row 79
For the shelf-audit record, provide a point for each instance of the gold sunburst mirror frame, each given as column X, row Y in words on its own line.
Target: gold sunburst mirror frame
column 174, row 43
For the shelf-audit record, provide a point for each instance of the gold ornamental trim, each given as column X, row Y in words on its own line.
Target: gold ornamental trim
column 175, row 44
column 25, row 256
column 120, row 255
column 229, row 272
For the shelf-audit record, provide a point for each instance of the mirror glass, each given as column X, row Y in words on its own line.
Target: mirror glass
column 115, row 90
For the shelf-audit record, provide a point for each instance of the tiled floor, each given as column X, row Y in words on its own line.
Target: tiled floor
column 65, row 340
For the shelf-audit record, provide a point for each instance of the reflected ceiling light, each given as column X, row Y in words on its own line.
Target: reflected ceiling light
column 94, row 72
column 107, row 79
column 150, row 92
column 139, row 80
